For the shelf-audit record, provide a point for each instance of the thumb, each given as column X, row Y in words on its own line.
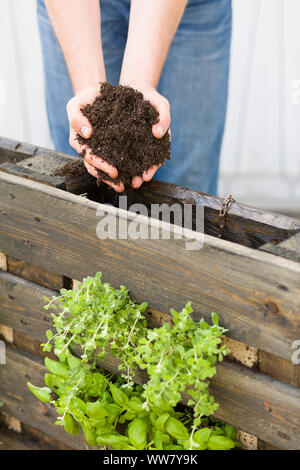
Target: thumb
column 163, row 107
column 78, row 121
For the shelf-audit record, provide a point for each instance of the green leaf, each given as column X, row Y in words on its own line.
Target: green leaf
column 95, row 410
column 135, row 404
column 137, row 433
column 120, row 398
column 56, row 367
column 230, row 431
column 113, row 411
column 215, row 318
column 76, row 404
column 74, row 362
column 49, row 334
column 217, row 442
column 160, row 422
column 115, row 440
column 176, row 429
column 202, row 435
column 42, row 393
column 160, row 439
column 89, row 434
column 70, row 425
column 129, row 415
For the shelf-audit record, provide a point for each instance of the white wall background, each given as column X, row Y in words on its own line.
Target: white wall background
column 260, row 162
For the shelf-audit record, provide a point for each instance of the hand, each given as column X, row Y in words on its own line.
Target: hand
column 159, row 130
column 79, row 124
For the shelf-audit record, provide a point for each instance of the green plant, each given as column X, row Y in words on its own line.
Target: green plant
column 98, row 320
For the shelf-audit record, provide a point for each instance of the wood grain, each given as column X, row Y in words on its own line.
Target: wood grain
column 13, row 169
column 10, row 440
column 37, row 274
column 256, row 294
column 14, row 151
column 279, row 368
column 289, row 249
column 244, row 225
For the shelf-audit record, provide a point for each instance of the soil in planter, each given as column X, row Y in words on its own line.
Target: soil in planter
column 122, row 132
column 71, row 170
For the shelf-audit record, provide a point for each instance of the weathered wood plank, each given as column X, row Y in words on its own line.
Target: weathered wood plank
column 43, row 439
column 37, row 274
column 21, row 306
column 76, row 179
column 13, row 151
column 289, row 249
column 12, row 169
column 279, row 368
column 256, row 294
column 244, row 225
column 6, row 333
column 251, row 401
column 10, row 440
column 10, row 422
column 272, row 406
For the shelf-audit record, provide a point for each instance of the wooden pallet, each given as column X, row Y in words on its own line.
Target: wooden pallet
column 250, row 277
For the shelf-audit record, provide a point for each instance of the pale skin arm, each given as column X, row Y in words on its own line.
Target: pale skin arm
column 151, row 29
column 78, row 30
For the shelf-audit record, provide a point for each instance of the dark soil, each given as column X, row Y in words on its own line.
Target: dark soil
column 73, row 169
column 122, row 132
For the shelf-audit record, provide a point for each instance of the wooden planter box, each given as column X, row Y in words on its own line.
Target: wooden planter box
column 250, row 277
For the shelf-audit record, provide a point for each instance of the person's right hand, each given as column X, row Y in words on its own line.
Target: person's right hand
column 79, row 124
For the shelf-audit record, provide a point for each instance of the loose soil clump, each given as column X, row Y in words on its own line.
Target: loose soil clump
column 71, row 170
column 122, row 132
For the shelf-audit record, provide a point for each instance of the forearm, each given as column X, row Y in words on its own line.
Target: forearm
column 78, row 29
column 152, row 27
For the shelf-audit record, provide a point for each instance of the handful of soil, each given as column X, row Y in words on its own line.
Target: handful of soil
column 122, row 132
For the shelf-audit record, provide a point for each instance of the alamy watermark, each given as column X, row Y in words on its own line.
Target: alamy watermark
column 2, row 352
column 159, row 222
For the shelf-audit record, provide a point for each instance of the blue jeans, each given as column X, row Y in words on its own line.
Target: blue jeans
column 194, row 80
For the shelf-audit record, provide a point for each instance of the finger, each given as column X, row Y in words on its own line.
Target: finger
column 148, row 175
column 97, row 162
column 137, row 181
column 74, row 142
column 118, row 187
column 163, row 107
column 91, row 169
column 77, row 120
